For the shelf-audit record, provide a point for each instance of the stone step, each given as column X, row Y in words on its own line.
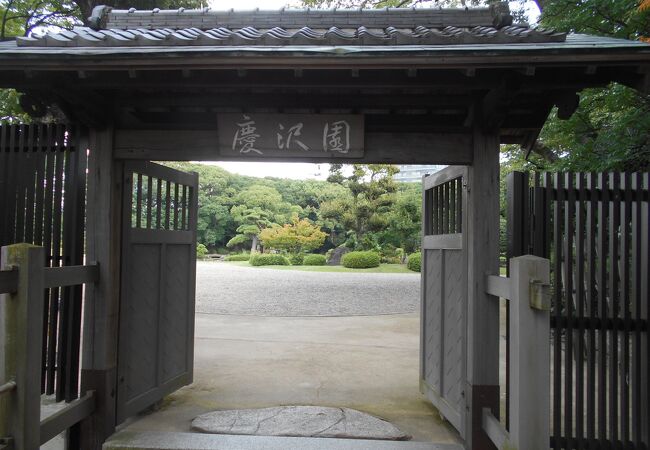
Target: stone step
column 151, row 440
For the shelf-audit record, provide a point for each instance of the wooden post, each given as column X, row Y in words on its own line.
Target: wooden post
column 99, row 359
column 530, row 392
column 482, row 390
column 21, row 341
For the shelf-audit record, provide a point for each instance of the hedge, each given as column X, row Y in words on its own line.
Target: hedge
column 360, row 260
column 314, row 260
column 414, row 261
column 296, row 259
column 201, row 251
column 265, row 259
column 238, row 257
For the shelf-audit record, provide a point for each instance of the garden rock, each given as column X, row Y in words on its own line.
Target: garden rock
column 337, row 254
column 298, row 421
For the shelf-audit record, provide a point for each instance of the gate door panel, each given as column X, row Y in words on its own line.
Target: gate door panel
column 156, row 348
column 444, row 294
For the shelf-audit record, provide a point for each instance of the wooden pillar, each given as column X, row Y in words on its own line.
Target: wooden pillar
column 21, row 315
column 482, row 389
column 100, row 333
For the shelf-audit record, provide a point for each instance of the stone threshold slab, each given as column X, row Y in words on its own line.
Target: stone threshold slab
column 299, row 421
column 150, row 440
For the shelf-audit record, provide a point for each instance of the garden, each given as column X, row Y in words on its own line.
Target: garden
column 358, row 221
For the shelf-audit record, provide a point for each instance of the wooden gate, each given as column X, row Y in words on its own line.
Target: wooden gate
column 444, row 294
column 156, row 343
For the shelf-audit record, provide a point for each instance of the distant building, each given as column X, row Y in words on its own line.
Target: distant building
column 411, row 173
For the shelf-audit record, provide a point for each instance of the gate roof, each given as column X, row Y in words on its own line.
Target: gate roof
column 413, row 70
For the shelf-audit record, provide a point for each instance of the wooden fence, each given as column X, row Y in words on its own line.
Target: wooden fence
column 594, row 228
column 42, row 201
column 23, row 279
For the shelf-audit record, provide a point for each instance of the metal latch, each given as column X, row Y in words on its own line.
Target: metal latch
column 540, row 295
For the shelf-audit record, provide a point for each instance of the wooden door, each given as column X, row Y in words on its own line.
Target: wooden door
column 443, row 333
column 156, row 338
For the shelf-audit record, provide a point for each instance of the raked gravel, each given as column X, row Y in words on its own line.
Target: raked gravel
column 223, row 288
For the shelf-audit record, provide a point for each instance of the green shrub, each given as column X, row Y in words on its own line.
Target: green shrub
column 201, row 251
column 238, row 257
column 314, row 260
column 360, row 260
column 296, row 259
column 391, row 259
column 267, row 259
column 414, row 261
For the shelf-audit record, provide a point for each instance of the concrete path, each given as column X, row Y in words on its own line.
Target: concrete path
column 224, row 288
column 366, row 363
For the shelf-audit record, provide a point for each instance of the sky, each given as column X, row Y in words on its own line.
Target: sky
column 290, row 170
column 296, row 171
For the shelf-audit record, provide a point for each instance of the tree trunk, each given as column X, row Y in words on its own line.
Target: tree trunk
column 254, row 244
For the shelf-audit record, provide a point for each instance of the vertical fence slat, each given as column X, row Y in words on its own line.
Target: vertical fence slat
column 184, row 208
column 47, row 243
column 445, row 208
column 149, row 201
column 614, row 300
column 450, row 208
column 20, row 184
column 176, row 206
column 645, row 295
column 567, row 299
column 56, row 262
column 625, row 302
column 591, row 305
column 158, row 203
column 13, row 194
column 5, row 187
column 603, row 213
column 167, row 203
column 580, row 306
column 557, row 340
column 138, row 201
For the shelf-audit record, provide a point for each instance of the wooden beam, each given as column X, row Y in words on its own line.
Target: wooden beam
column 380, row 147
column 496, row 103
column 498, row 286
column 496, row 432
column 72, row 414
column 567, row 104
column 70, row 275
column 317, row 99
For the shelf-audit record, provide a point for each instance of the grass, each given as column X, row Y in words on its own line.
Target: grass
column 383, row 268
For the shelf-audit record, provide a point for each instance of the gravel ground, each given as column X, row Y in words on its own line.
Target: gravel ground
column 223, row 288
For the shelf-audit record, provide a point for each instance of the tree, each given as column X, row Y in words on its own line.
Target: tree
column 610, row 130
column 364, row 212
column 252, row 221
column 296, row 237
column 21, row 17
column 404, row 221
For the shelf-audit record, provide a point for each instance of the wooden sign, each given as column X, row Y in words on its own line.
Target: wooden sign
column 291, row 135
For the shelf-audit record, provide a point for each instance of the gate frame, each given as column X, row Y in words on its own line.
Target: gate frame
column 99, row 371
